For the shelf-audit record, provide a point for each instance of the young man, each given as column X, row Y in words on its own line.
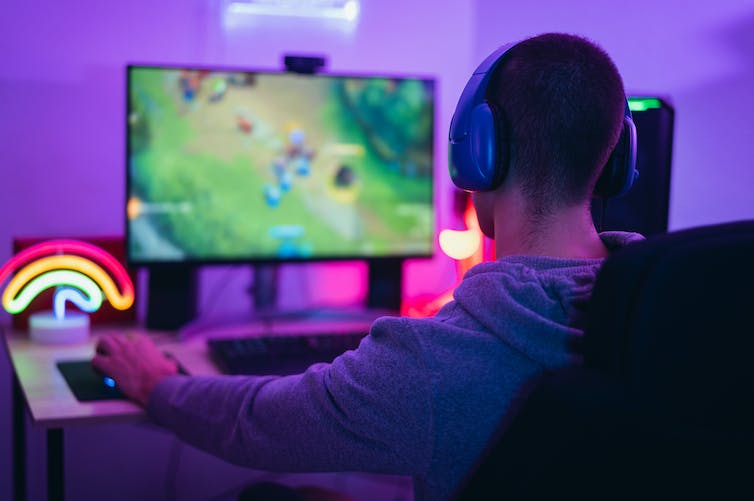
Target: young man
column 421, row 397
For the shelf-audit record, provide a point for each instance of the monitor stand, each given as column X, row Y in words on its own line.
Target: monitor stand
column 383, row 299
column 385, row 284
column 384, row 292
column 264, row 289
column 171, row 297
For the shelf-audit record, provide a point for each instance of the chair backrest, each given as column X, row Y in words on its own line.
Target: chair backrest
column 664, row 406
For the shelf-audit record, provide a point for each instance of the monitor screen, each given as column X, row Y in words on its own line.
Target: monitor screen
column 241, row 166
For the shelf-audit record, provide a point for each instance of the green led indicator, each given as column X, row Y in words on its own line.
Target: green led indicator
column 643, row 103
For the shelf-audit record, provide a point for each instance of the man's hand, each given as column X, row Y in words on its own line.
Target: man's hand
column 134, row 362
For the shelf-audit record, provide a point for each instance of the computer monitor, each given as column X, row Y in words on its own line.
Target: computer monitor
column 644, row 209
column 267, row 167
column 238, row 166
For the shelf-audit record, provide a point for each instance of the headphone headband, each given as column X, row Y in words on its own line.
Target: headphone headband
column 474, row 92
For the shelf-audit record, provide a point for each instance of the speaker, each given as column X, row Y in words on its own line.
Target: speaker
column 644, row 209
column 385, row 284
column 171, row 299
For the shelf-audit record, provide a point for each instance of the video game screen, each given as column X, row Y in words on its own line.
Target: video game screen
column 237, row 166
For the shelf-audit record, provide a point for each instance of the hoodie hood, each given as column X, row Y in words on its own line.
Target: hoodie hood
column 536, row 304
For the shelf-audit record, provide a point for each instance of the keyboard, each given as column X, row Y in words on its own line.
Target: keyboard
column 279, row 355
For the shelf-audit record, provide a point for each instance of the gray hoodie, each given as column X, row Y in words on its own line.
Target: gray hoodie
column 419, row 397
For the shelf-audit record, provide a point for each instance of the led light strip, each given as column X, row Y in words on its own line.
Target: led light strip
column 347, row 11
column 643, row 103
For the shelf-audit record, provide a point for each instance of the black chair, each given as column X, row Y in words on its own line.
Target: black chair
column 664, row 405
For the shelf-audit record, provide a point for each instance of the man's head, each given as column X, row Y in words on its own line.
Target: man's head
column 560, row 100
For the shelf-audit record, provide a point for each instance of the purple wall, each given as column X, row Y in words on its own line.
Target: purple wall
column 697, row 53
column 62, row 96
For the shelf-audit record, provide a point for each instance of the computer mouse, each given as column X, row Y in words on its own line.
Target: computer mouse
column 110, row 382
column 107, row 380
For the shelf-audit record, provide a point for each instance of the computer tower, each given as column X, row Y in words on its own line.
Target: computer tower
column 644, row 209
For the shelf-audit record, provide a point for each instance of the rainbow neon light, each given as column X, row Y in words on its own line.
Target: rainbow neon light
column 72, row 267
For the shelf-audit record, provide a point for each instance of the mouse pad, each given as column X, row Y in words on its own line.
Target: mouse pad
column 86, row 383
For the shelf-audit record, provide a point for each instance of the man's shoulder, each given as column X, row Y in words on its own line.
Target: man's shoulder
column 614, row 240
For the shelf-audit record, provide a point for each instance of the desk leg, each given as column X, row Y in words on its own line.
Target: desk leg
column 19, row 442
column 55, row 463
column 55, row 486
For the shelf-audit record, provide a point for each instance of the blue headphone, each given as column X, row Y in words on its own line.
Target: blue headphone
column 479, row 153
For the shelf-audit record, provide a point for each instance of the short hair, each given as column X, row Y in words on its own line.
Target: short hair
column 562, row 102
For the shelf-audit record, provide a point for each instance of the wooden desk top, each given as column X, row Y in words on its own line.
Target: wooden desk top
column 51, row 403
column 48, row 397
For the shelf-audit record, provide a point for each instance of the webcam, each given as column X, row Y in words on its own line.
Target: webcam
column 303, row 64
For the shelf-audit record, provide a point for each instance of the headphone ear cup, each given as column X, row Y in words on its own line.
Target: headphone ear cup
column 502, row 148
column 619, row 172
column 474, row 158
column 483, row 145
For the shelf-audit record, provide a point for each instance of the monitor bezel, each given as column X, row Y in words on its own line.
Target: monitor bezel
column 191, row 262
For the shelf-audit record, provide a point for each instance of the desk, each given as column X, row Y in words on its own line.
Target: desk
column 40, row 389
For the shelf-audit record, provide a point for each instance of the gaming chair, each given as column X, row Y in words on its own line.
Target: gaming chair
column 664, row 405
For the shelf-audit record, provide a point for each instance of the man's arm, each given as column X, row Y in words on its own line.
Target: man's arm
column 370, row 410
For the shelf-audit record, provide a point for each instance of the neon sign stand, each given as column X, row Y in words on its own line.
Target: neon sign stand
column 81, row 273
